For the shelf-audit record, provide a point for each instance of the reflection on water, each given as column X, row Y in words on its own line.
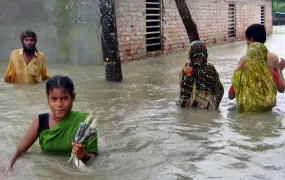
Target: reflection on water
column 143, row 135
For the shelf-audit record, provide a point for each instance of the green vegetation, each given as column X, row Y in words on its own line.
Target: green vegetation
column 278, row 6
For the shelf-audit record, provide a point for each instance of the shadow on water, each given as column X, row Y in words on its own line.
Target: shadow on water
column 143, row 134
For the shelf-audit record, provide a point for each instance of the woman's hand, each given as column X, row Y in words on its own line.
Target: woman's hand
column 280, row 66
column 78, row 150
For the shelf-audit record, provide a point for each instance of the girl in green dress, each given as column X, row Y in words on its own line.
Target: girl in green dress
column 56, row 130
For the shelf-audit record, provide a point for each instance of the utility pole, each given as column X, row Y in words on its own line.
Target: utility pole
column 109, row 39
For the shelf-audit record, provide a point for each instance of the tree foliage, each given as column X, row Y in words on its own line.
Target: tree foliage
column 277, row 3
column 278, row 6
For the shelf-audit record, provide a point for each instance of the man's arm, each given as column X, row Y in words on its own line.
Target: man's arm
column 44, row 73
column 9, row 71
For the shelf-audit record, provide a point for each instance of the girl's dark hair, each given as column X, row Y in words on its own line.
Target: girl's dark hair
column 257, row 32
column 63, row 82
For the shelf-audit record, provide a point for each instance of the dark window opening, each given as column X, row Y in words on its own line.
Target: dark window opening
column 262, row 15
column 232, row 21
column 153, row 25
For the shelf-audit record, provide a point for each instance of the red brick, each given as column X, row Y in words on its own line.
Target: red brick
column 129, row 58
column 209, row 15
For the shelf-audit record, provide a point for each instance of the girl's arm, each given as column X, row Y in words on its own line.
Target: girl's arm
column 28, row 140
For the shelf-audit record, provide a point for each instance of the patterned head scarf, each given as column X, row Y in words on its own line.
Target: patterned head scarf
column 198, row 54
column 28, row 33
column 198, row 75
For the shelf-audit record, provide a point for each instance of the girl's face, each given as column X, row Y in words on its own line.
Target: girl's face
column 60, row 102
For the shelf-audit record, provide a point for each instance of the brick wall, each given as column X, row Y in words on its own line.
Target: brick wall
column 173, row 31
column 131, row 29
column 248, row 14
column 211, row 17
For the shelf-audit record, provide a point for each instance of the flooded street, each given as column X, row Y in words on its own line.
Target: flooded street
column 143, row 134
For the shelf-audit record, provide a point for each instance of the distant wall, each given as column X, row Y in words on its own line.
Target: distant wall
column 211, row 17
column 68, row 30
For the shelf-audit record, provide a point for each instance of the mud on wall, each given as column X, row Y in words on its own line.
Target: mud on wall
column 68, row 30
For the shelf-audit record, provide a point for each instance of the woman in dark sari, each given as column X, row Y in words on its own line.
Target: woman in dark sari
column 200, row 85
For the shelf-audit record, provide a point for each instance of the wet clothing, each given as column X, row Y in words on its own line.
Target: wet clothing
column 43, row 123
column 19, row 72
column 255, row 88
column 200, row 85
column 59, row 138
column 275, row 76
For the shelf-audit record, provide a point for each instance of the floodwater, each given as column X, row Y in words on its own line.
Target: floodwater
column 143, row 134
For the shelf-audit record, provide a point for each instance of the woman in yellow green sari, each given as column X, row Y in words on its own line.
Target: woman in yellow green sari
column 56, row 130
column 253, row 84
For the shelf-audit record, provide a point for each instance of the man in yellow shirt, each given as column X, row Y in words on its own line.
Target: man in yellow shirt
column 27, row 65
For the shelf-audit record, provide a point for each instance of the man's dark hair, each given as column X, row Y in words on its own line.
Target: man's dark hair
column 28, row 33
column 256, row 32
column 31, row 34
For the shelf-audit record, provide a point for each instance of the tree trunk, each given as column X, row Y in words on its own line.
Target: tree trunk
column 109, row 41
column 190, row 25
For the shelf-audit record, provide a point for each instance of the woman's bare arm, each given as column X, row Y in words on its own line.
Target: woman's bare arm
column 280, row 68
column 282, row 87
column 241, row 64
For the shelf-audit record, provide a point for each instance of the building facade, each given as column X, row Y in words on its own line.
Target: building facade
column 151, row 27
